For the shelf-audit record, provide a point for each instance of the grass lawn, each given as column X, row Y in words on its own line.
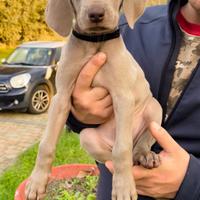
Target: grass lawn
column 68, row 151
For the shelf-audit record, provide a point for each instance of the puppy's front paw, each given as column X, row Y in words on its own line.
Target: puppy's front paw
column 147, row 159
column 124, row 187
column 36, row 185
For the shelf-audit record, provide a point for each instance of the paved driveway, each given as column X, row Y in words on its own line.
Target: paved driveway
column 18, row 131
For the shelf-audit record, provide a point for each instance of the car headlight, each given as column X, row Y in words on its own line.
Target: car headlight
column 20, row 81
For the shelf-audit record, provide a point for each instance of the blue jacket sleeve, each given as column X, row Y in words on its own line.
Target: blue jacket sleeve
column 76, row 125
column 190, row 187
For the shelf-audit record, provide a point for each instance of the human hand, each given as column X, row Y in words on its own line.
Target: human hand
column 164, row 181
column 91, row 105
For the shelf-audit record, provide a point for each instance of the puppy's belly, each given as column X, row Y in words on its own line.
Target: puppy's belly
column 107, row 131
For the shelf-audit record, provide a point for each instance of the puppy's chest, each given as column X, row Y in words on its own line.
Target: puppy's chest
column 108, row 68
column 119, row 68
column 116, row 73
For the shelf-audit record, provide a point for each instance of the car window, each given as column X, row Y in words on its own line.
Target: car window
column 30, row 56
column 18, row 55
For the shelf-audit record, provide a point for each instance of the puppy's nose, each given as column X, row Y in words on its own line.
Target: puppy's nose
column 96, row 15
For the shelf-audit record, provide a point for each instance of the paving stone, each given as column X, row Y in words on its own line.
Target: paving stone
column 18, row 132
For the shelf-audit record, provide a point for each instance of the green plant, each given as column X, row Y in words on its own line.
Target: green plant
column 74, row 189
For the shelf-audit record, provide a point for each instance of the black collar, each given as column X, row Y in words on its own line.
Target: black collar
column 97, row 38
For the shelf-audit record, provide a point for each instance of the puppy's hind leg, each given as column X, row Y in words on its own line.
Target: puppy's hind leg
column 98, row 142
column 95, row 145
column 142, row 154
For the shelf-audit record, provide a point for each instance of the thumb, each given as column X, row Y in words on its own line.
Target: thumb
column 90, row 69
column 163, row 138
column 109, row 165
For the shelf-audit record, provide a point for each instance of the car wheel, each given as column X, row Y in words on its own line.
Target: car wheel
column 40, row 100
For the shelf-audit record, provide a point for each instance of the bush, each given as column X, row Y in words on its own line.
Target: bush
column 22, row 20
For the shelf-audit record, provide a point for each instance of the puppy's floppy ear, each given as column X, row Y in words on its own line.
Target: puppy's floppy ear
column 59, row 16
column 133, row 9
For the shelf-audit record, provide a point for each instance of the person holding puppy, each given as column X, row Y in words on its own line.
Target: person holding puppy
column 166, row 44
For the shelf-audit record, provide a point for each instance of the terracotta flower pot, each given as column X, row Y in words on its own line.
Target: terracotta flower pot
column 61, row 172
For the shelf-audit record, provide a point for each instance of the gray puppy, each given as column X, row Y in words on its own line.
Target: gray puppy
column 124, row 139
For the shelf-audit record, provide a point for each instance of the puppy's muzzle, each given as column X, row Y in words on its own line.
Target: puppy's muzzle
column 96, row 14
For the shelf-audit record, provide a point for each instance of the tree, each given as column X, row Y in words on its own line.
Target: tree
column 23, row 20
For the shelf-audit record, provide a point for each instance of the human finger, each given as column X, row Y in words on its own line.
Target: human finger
column 90, row 69
column 163, row 138
column 139, row 172
column 105, row 102
column 99, row 92
column 109, row 165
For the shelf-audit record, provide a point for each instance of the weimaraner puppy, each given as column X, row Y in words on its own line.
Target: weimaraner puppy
column 124, row 139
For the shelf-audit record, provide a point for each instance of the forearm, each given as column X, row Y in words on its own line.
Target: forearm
column 190, row 187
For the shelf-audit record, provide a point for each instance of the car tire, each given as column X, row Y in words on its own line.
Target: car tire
column 40, row 100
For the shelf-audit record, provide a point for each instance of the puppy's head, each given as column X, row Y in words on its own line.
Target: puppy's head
column 91, row 16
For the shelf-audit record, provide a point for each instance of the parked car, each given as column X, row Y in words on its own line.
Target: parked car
column 27, row 76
